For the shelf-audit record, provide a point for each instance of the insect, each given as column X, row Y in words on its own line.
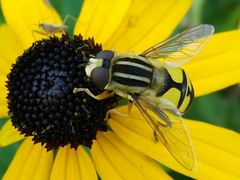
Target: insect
column 50, row 28
column 47, row 28
column 158, row 88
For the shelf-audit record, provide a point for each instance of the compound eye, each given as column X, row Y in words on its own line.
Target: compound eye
column 100, row 77
column 106, row 54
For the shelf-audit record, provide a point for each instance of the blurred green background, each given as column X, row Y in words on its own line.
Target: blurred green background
column 221, row 108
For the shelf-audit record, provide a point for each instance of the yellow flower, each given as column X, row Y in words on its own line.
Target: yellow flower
column 128, row 151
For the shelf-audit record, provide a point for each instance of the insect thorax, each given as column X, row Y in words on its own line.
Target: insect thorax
column 130, row 75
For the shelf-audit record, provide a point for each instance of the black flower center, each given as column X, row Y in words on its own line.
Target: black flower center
column 41, row 101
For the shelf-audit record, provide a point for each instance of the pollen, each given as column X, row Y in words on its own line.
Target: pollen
column 40, row 96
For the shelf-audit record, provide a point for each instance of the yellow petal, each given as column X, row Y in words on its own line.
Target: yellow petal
column 31, row 161
column 87, row 169
column 3, row 95
column 9, row 134
column 221, row 135
column 99, row 19
column 72, row 164
column 3, row 107
column 8, row 55
column 23, row 16
column 3, row 104
column 117, row 160
column 216, row 148
column 147, row 23
column 148, row 168
column 9, row 51
column 3, row 110
column 218, row 65
column 221, row 146
column 102, row 164
column 3, row 79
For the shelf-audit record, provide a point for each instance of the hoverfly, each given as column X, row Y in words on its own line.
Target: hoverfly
column 158, row 88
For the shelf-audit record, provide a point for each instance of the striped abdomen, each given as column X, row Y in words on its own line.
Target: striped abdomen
column 131, row 75
column 177, row 88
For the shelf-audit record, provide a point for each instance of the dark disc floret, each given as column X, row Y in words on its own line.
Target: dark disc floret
column 41, row 101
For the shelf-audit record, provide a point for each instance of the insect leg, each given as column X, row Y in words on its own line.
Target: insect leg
column 86, row 90
column 41, row 32
column 101, row 96
column 68, row 16
column 64, row 28
column 130, row 105
column 116, row 112
column 125, row 115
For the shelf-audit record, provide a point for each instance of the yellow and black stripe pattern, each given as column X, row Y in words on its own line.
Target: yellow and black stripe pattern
column 177, row 88
column 132, row 72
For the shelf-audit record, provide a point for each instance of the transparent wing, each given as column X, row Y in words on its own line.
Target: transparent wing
column 169, row 127
column 180, row 48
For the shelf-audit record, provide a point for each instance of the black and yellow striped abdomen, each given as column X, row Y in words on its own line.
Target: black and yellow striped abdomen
column 177, row 88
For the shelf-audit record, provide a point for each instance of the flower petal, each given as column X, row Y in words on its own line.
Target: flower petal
column 117, row 160
column 23, row 16
column 3, row 95
column 115, row 150
column 3, row 79
column 3, row 105
column 31, row 161
column 147, row 23
column 216, row 148
column 103, row 166
column 218, row 65
column 73, row 164
column 9, row 134
column 3, row 109
column 99, row 19
column 9, row 53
